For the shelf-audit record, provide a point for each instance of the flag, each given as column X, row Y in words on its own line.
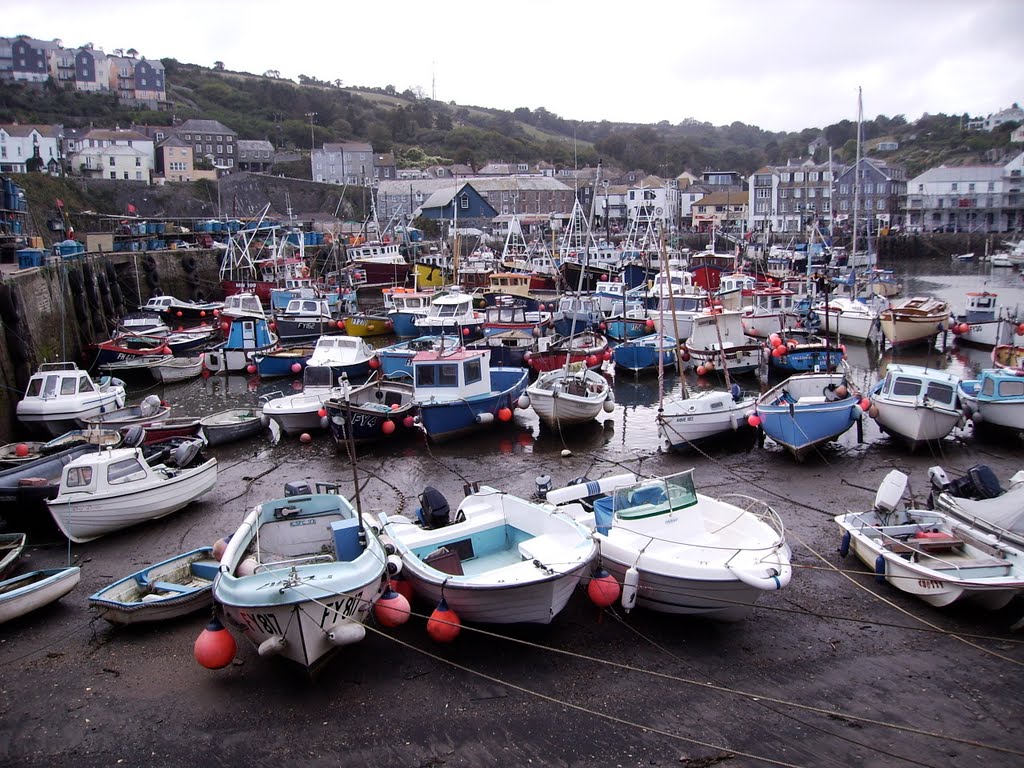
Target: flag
column 60, row 203
column 131, row 208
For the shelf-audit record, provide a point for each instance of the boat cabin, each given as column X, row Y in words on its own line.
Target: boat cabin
column 242, row 305
column 54, row 380
column 451, row 375
column 250, row 334
column 308, row 308
column 515, row 283
column 937, row 387
column 104, row 471
column 158, row 304
column 981, row 307
column 451, row 306
column 415, row 302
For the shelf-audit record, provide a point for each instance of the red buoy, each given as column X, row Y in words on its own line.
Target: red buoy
column 392, row 609
column 215, row 647
column 374, row 363
column 305, row 437
column 408, row 422
column 202, row 313
column 178, row 313
column 250, row 368
column 754, row 420
column 603, row 589
column 505, row 414
column 388, row 427
column 296, row 367
column 444, row 625
column 21, row 450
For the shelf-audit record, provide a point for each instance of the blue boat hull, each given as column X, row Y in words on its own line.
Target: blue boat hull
column 622, row 329
column 405, row 324
column 803, row 361
column 802, row 428
column 443, row 421
column 643, row 357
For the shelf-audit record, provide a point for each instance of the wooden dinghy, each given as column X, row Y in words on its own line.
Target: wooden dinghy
column 24, row 594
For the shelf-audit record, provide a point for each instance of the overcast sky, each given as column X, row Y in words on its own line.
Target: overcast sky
column 782, row 65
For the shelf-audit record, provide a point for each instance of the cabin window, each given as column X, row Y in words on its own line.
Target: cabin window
column 125, row 471
column 940, row 393
column 1013, row 388
column 50, row 387
column 472, row 371
column 906, row 387
column 988, row 388
column 85, row 384
column 448, row 375
column 79, row 476
column 425, row 376
column 68, row 386
column 34, row 388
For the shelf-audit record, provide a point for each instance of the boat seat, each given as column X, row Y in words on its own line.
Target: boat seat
column 811, row 400
column 547, row 548
column 205, row 569
column 167, row 586
column 976, row 563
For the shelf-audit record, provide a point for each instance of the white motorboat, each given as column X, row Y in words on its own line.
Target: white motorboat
column 504, row 559
column 105, row 491
column 914, row 320
column 718, row 341
column 300, row 412
column 683, row 421
column 916, row 404
column 927, row 554
column 60, row 397
column 677, row 551
column 300, row 574
column 845, row 318
column 29, row 591
column 451, row 313
column 984, row 323
column 568, row 396
column 348, row 355
column 171, row 368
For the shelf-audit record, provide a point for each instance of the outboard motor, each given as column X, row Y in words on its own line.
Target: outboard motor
column 433, row 511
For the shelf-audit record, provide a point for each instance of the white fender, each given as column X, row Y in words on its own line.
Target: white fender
column 394, row 565
column 767, row 578
column 273, row 644
column 484, row 418
column 629, row 587
column 346, row 633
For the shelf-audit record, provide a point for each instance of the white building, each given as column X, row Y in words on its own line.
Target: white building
column 968, row 198
column 115, row 161
column 20, row 143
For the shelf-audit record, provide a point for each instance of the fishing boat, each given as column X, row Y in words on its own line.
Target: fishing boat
column 459, row 392
column 11, row 547
column 914, row 320
column 172, row 368
column 845, row 317
column 916, row 404
column 60, row 397
column 29, row 591
column 231, row 425
column 383, row 263
column 304, row 320
column 345, row 355
column 406, row 307
column 628, row 320
column 129, row 351
column 978, row 500
column 242, row 305
column 508, row 348
column 500, row 559
column 568, row 396
column 646, row 353
column 772, row 310
column 677, row 551
column 136, row 365
column 451, row 314
column 366, row 324
column 808, row 410
column 379, row 409
column 176, row 308
column 577, row 313
column 553, row 352
column 285, row 361
column 105, row 491
column 302, row 411
column 247, row 336
column 717, row 342
column 995, row 398
column 396, row 359
column 984, row 322
column 174, row 587
column 809, row 354
column 150, row 410
column 24, row 488
column 684, row 421
column 927, row 554
column 300, row 575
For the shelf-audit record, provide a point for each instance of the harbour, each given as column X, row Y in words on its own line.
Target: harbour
column 834, row 669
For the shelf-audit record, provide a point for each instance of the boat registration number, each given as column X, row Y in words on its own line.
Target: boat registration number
column 929, row 584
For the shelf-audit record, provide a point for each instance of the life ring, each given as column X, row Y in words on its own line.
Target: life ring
column 153, row 279
column 149, row 263
column 305, row 271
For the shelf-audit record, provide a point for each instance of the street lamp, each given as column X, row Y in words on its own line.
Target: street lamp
column 216, row 174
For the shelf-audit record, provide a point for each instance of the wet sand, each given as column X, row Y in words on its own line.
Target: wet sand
column 834, row 670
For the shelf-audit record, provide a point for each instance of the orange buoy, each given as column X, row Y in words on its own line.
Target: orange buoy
column 374, row 363
column 444, row 625
column 215, row 647
column 603, row 589
column 296, row 367
column 21, row 450
column 388, row 427
column 305, row 437
column 392, row 609
column 754, row 420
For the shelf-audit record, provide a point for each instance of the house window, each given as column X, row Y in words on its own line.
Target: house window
column 231, row 149
column 138, row 162
column 112, row 161
column 970, row 187
column 464, row 202
column 220, row 149
column 869, row 189
column 953, row 186
column 138, row 176
column 881, row 205
column 113, row 174
column 844, row 189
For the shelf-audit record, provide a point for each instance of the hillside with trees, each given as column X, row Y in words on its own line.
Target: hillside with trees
column 421, row 131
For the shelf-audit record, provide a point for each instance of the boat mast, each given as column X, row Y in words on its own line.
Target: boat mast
column 856, row 178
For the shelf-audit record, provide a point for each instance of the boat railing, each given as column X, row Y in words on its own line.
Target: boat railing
column 760, row 510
